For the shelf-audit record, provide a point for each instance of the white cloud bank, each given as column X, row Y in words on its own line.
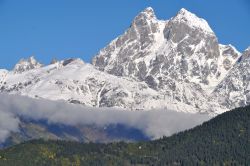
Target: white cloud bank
column 154, row 123
column 8, row 123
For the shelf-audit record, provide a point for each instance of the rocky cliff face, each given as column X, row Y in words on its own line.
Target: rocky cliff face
column 27, row 64
column 234, row 90
column 180, row 57
column 182, row 48
column 168, row 64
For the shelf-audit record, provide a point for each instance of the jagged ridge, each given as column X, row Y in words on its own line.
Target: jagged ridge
column 169, row 64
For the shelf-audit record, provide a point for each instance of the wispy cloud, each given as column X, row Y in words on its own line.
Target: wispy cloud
column 154, row 123
column 8, row 123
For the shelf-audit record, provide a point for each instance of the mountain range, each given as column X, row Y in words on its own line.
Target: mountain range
column 175, row 64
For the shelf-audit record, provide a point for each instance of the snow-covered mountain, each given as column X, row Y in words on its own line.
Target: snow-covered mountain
column 234, row 90
column 181, row 49
column 26, row 64
column 77, row 82
column 180, row 57
column 169, row 64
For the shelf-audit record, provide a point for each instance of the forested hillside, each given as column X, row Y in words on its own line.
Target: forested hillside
column 224, row 140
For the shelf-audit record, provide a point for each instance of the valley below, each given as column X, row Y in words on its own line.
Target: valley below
column 165, row 92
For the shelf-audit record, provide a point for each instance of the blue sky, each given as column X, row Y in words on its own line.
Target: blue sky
column 80, row 28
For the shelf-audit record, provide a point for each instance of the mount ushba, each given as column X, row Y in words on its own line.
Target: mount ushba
column 175, row 64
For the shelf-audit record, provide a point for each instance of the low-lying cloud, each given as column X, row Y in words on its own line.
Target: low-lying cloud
column 154, row 123
column 8, row 123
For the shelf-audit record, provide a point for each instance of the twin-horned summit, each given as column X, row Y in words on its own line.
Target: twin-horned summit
column 147, row 14
column 177, row 62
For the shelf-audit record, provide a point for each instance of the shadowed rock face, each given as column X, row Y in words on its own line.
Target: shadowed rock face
column 172, row 64
column 173, row 48
column 134, row 44
column 165, row 54
column 26, row 64
column 195, row 54
column 186, row 36
column 234, row 90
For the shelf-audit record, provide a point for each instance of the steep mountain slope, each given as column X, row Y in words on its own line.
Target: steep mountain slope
column 181, row 49
column 223, row 140
column 172, row 64
column 76, row 82
column 180, row 57
column 234, row 90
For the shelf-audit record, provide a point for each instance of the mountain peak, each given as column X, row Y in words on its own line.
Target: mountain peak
column 183, row 11
column 246, row 54
column 185, row 16
column 146, row 14
column 27, row 64
column 248, row 49
column 32, row 60
column 149, row 11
